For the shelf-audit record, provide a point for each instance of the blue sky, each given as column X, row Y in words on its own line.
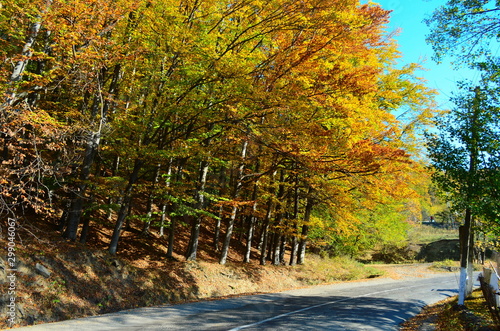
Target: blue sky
column 408, row 15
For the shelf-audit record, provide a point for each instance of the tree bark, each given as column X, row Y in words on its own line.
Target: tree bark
column 149, row 207
column 265, row 225
column 77, row 203
column 237, row 188
column 217, row 230
column 171, row 238
column 277, row 242
column 122, row 214
column 162, row 219
column 251, row 220
column 265, row 233
column 27, row 53
column 250, row 232
column 294, row 249
column 305, row 230
column 282, row 250
column 295, row 243
column 196, row 222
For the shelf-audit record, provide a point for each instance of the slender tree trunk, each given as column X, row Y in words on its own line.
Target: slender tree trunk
column 223, row 185
column 251, row 219
column 149, row 207
column 465, row 233
column 276, row 242
column 122, row 213
column 294, row 250
column 295, row 243
column 227, row 237
column 196, row 222
column 305, row 230
column 171, row 238
column 85, row 229
column 251, row 227
column 265, row 225
column 265, row 234
column 164, row 206
column 162, row 219
column 237, row 188
column 27, row 53
column 282, row 250
column 217, row 230
column 470, row 266
column 278, row 220
column 76, row 207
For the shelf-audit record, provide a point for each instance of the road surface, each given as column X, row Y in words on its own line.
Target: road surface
column 376, row 304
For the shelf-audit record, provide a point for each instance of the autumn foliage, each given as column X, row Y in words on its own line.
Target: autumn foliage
column 250, row 116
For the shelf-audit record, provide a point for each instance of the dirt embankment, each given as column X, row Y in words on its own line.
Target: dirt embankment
column 83, row 282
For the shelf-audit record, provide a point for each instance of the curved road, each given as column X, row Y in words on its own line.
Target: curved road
column 377, row 304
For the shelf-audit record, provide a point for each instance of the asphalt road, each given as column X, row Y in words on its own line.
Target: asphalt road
column 377, row 304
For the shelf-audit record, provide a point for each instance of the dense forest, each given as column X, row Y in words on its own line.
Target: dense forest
column 280, row 121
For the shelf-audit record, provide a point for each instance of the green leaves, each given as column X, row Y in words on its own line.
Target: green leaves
column 464, row 29
column 466, row 152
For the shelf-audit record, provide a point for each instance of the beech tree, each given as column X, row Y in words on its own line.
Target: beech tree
column 240, row 117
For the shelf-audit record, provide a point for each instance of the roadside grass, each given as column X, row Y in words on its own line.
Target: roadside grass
column 325, row 270
column 425, row 234
column 448, row 265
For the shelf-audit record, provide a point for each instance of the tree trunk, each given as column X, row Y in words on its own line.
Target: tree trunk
column 85, row 229
column 265, row 225
column 305, row 229
column 276, row 243
column 149, row 207
column 265, row 234
column 196, row 222
column 223, row 185
column 465, row 233
column 248, row 249
column 76, row 207
column 171, row 238
column 282, row 250
column 295, row 243
column 217, row 230
column 278, row 220
column 294, row 250
column 122, row 214
column 236, row 192
column 251, row 219
column 227, row 237
column 27, row 53
column 162, row 219
column 164, row 206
